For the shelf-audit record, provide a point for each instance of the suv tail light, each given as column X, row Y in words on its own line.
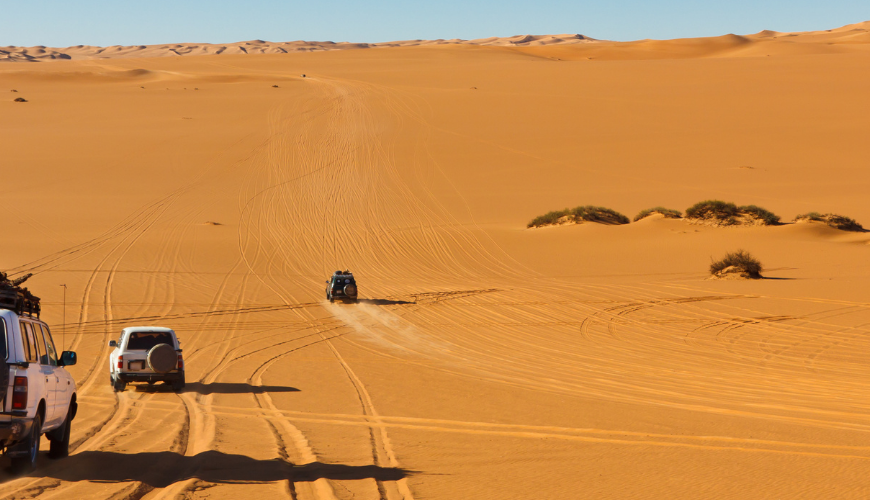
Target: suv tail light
column 19, row 394
column 180, row 363
column 120, row 362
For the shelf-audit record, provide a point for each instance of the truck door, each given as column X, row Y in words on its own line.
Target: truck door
column 63, row 393
column 44, row 375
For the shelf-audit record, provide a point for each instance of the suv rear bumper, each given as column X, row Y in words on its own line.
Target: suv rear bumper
column 128, row 377
column 341, row 296
column 13, row 431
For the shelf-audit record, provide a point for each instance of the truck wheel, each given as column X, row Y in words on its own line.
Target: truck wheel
column 25, row 464
column 178, row 385
column 119, row 385
column 59, row 438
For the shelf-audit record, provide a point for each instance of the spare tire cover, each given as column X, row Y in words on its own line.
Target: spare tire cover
column 162, row 358
column 350, row 290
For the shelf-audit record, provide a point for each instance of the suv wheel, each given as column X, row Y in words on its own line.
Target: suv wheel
column 59, row 438
column 119, row 385
column 25, row 464
column 178, row 385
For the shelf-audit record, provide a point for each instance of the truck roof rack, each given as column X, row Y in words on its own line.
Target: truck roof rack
column 16, row 298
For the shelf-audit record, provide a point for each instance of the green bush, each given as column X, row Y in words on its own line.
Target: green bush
column 742, row 260
column 667, row 212
column 833, row 220
column 587, row 213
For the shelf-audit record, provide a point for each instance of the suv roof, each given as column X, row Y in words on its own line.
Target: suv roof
column 131, row 329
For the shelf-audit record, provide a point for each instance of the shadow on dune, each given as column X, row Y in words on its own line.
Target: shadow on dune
column 384, row 302
column 234, row 388
column 160, row 469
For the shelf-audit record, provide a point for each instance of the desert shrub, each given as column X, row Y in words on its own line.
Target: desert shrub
column 20, row 99
column 833, row 220
column 768, row 217
column 587, row 213
column 548, row 218
column 727, row 213
column 742, row 260
column 598, row 214
column 815, row 216
column 667, row 212
column 711, row 209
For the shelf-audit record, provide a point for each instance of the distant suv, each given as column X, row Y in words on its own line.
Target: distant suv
column 37, row 395
column 146, row 354
column 341, row 286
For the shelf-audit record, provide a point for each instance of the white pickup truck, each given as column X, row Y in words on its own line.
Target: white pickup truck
column 37, row 395
column 146, row 354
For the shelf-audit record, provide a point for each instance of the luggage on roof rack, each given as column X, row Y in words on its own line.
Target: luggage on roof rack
column 18, row 299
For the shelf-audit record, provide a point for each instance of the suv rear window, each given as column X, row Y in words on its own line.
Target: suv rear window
column 146, row 340
column 3, row 351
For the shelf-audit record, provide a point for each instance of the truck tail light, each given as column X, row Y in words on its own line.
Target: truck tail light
column 180, row 363
column 19, row 393
column 120, row 362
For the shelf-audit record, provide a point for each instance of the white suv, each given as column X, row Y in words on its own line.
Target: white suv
column 37, row 395
column 146, row 354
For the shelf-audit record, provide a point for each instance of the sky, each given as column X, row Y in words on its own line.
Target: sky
column 61, row 23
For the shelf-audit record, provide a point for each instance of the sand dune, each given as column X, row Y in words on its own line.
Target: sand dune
column 580, row 46
column 214, row 194
column 32, row 54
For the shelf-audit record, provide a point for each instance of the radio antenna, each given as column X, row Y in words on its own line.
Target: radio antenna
column 63, row 331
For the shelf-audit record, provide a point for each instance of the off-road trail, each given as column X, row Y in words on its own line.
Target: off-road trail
column 215, row 194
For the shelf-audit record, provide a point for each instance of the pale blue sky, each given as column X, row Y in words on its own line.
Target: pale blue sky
column 110, row 22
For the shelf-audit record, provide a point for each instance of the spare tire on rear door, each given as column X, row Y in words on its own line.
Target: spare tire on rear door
column 350, row 291
column 162, row 358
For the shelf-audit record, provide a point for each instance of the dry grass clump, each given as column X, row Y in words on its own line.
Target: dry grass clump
column 667, row 212
column 739, row 264
column 20, row 99
column 723, row 213
column 833, row 220
column 588, row 213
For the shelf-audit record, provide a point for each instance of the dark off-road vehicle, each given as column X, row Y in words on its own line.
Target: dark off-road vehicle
column 341, row 286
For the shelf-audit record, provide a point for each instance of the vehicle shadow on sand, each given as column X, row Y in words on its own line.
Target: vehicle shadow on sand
column 384, row 302
column 214, row 388
column 234, row 388
column 160, row 469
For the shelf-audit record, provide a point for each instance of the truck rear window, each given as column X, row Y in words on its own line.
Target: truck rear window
column 146, row 340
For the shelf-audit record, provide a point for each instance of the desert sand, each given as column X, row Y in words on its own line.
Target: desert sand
column 215, row 193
